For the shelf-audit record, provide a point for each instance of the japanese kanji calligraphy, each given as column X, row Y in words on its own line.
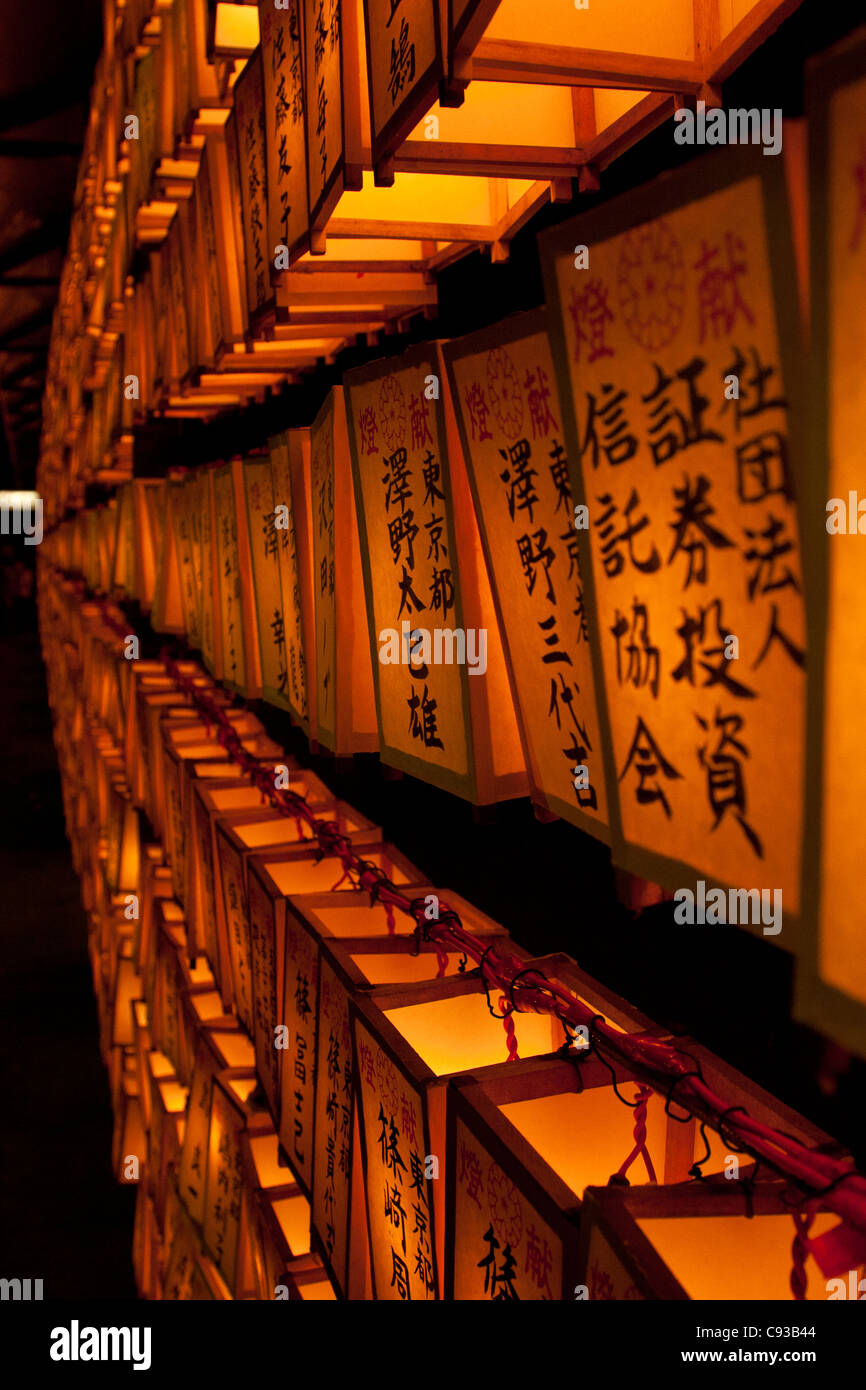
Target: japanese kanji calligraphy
column 285, row 132
column 398, row 1202
column 505, row 1250
column 679, row 444
column 437, row 674
column 508, row 405
column 404, row 65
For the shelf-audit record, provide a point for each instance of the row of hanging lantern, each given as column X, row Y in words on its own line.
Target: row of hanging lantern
column 312, row 1106
column 262, row 185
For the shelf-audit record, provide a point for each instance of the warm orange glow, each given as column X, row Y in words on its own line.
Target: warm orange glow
column 751, row 1259
column 236, row 30
column 457, row 1034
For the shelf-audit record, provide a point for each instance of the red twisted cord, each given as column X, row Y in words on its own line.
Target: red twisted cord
column 508, row 1025
column 639, row 1135
column 800, row 1253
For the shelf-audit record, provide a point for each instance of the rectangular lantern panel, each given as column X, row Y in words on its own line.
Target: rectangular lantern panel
column 285, row 128
column 238, row 837
column 345, row 703
column 653, row 1243
column 290, row 477
column 831, row 973
column 339, row 1215
column 332, row 103
column 690, row 558
column 437, row 658
column 249, row 110
column 404, row 1050
column 503, row 388
column 238, row 633
column 404, row 66
column 265, row 532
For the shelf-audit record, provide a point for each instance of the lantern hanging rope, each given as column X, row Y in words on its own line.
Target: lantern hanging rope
column 656, row 1062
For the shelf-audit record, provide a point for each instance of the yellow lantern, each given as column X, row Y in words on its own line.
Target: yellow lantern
column 435, row 647
column 652, row 1243
column 347, row 965
column 702, row 736
column 237, row 837
column 345, row 716
column 284, row 965
column 830, row 977
column 525, row 1145
column 220, row 1048
column 409, row 1039
column 503, row 391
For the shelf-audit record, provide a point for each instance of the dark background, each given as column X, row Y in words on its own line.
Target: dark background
column 62, row 1217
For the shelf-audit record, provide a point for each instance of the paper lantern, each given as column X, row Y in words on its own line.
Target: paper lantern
column 831, row 978
column 290, row 628
column 168, row 1111
column 437, row 660
column 270, row 492
column 408, row 1040
column 309, row 1285
column 345, row 714
column 212, row 799
column 524, row 1146
column 189, row 762
column 232, row 596
column 182, row 1250
column 145, row 1244
column 275, row 1267
column 141, row 678
column 230, row 1117
column 220, row 1049
column 285, row 128
column 224, row 787
column 652, row 1242
column 249, row 114
column 237, row 837
column 175, row 977
column 346, row 965
column 287, row 918
column 267, row 1185
column 503, row 389
column 692, row 535
column 129, row 1136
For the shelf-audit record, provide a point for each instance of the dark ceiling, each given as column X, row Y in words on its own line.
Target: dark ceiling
column 48, row 51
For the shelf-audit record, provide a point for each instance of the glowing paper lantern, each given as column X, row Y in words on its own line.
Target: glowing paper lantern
column 409, row 1039
column 237, row 837
column 290, row 479
column 185, row 743
column 652, row 1242
column 267, row 1185
column 285, row 973
column 525, row 1145
column 269, row 491
column 346, row 965
column 345, row 714
column 232, row 594
column 230, row 1117
column 442, row 697
column 503, row 388
column 404, row 67
column 230, row 791
column 249, row 114
column 677, row 375
column 220, row 1049
column 285, row 131
column 831, row 975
